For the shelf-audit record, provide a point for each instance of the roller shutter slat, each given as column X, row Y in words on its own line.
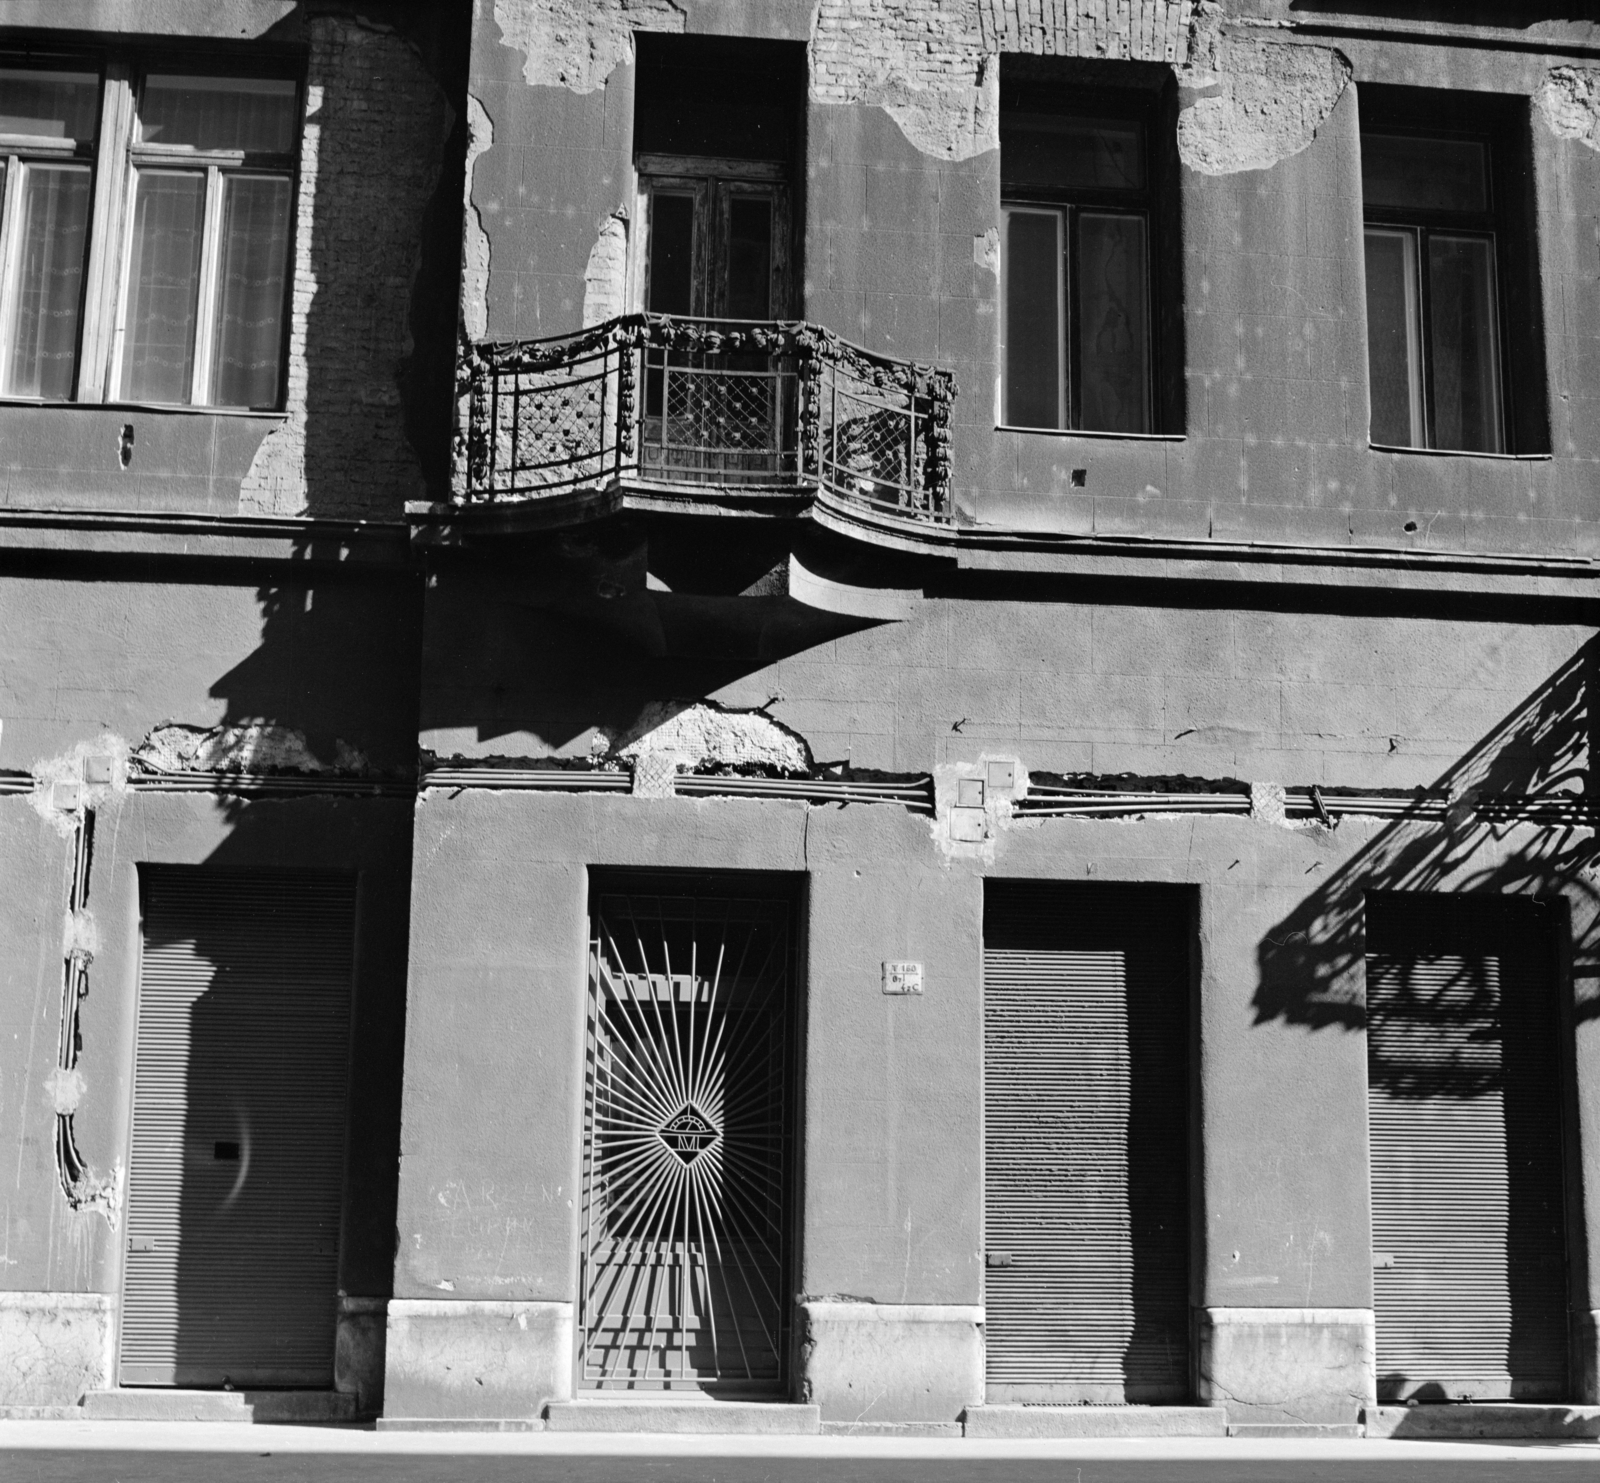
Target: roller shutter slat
column 1086, row 1159
column 243, row 1037
column 1470, row 1286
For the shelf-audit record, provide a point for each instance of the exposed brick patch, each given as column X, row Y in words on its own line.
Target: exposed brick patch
column 371, row 155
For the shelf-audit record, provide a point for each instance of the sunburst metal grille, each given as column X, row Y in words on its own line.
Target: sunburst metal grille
column 686, row 1146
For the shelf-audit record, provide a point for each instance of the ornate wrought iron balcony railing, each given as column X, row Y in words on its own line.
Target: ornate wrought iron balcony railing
column 710, row 406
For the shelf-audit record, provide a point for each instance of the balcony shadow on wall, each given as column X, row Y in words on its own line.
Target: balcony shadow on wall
column 563, row 637
column 1311, row 964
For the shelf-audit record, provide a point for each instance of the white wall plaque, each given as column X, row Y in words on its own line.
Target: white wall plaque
column 902, row 978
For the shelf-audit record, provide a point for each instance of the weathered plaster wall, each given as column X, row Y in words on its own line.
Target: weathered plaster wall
column 366, row 423
column 900, row 252
column 49, row 1247
column 304, row 668
column 330, row 655
column 372, row 156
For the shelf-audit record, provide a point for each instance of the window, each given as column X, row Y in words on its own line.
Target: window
column 1452, row 321
column 145, row 233
column 49, row 121
column 1082, row 215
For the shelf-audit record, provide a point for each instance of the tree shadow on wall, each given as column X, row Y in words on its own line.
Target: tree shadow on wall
column 1312, row 962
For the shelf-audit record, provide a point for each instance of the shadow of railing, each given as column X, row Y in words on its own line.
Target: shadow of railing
column 1312, row 962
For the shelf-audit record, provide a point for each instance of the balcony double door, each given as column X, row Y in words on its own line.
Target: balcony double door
column 716, row 251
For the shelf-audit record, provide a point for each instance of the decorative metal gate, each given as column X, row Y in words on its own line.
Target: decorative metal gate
column 687, row 1142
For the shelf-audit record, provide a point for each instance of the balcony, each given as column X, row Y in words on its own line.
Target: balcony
column 703, row 414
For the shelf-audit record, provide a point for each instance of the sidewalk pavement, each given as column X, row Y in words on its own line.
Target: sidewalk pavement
column 200, row 1452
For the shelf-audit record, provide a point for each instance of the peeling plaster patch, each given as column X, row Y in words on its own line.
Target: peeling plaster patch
column 1569, row 99
column 577, row 44
column 1250, row 105
column 967, row 831
column 942, row 89
column 605, row 277
column 475, row 240
column 65, row 1089
column 1269, row 805
column 986, row 251
column 254, row 747
column 931, row 63
column 704, row 733
column 105, row 756
column 80, row 933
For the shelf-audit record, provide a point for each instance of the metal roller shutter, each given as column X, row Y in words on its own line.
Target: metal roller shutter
column 1464, row 1114
column 237, row 1167
column 1086, row 1185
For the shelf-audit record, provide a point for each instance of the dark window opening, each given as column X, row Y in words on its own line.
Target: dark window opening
column 716, row 138
column 1454, row 341
column 1090, row 323
column 720, row 97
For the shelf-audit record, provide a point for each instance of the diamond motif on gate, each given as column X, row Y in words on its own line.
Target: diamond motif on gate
column 688, row 1133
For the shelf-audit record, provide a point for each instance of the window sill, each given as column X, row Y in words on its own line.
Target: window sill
column 1463, row 453
column 1073, row 432
column 181, row 408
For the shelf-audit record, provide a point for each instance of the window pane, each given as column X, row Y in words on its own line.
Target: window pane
column 250, row 291
column 47, row 280
column 1464, row 344
column 1031, row 275
column 1424, row 174
column 1113, row 324
column 1051, row 150
column 49, row 105
column 749, row 258
column 1394, row 364
column 249, row 113
column 163, row 286
column 671, row 254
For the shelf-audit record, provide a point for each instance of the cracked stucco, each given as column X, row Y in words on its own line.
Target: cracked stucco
column 250, row 747
column 707, row 735
column 577, row 44
column 605, row 276
column 1250, row 105
column 475, row 239
column 1569, row 100
column 54, row 1346
column 71, row 767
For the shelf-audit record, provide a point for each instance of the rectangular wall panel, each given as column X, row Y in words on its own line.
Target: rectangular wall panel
column 237, row 1169
column 1464, row 1115
column 1086, row 1178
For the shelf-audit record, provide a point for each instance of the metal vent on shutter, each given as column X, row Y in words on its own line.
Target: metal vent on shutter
column 1469, row 1251
column 1086, row 1093
column 237, row 1168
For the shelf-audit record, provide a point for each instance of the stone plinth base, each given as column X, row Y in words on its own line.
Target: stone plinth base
column 463, row 1359
column 1096, row 1421
column 1287, row 1366
column 890, row 1363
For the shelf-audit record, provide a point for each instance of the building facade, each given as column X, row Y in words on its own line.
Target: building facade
column 869, row 709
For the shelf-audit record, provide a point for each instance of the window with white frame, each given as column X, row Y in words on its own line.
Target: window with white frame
column 145, row 234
